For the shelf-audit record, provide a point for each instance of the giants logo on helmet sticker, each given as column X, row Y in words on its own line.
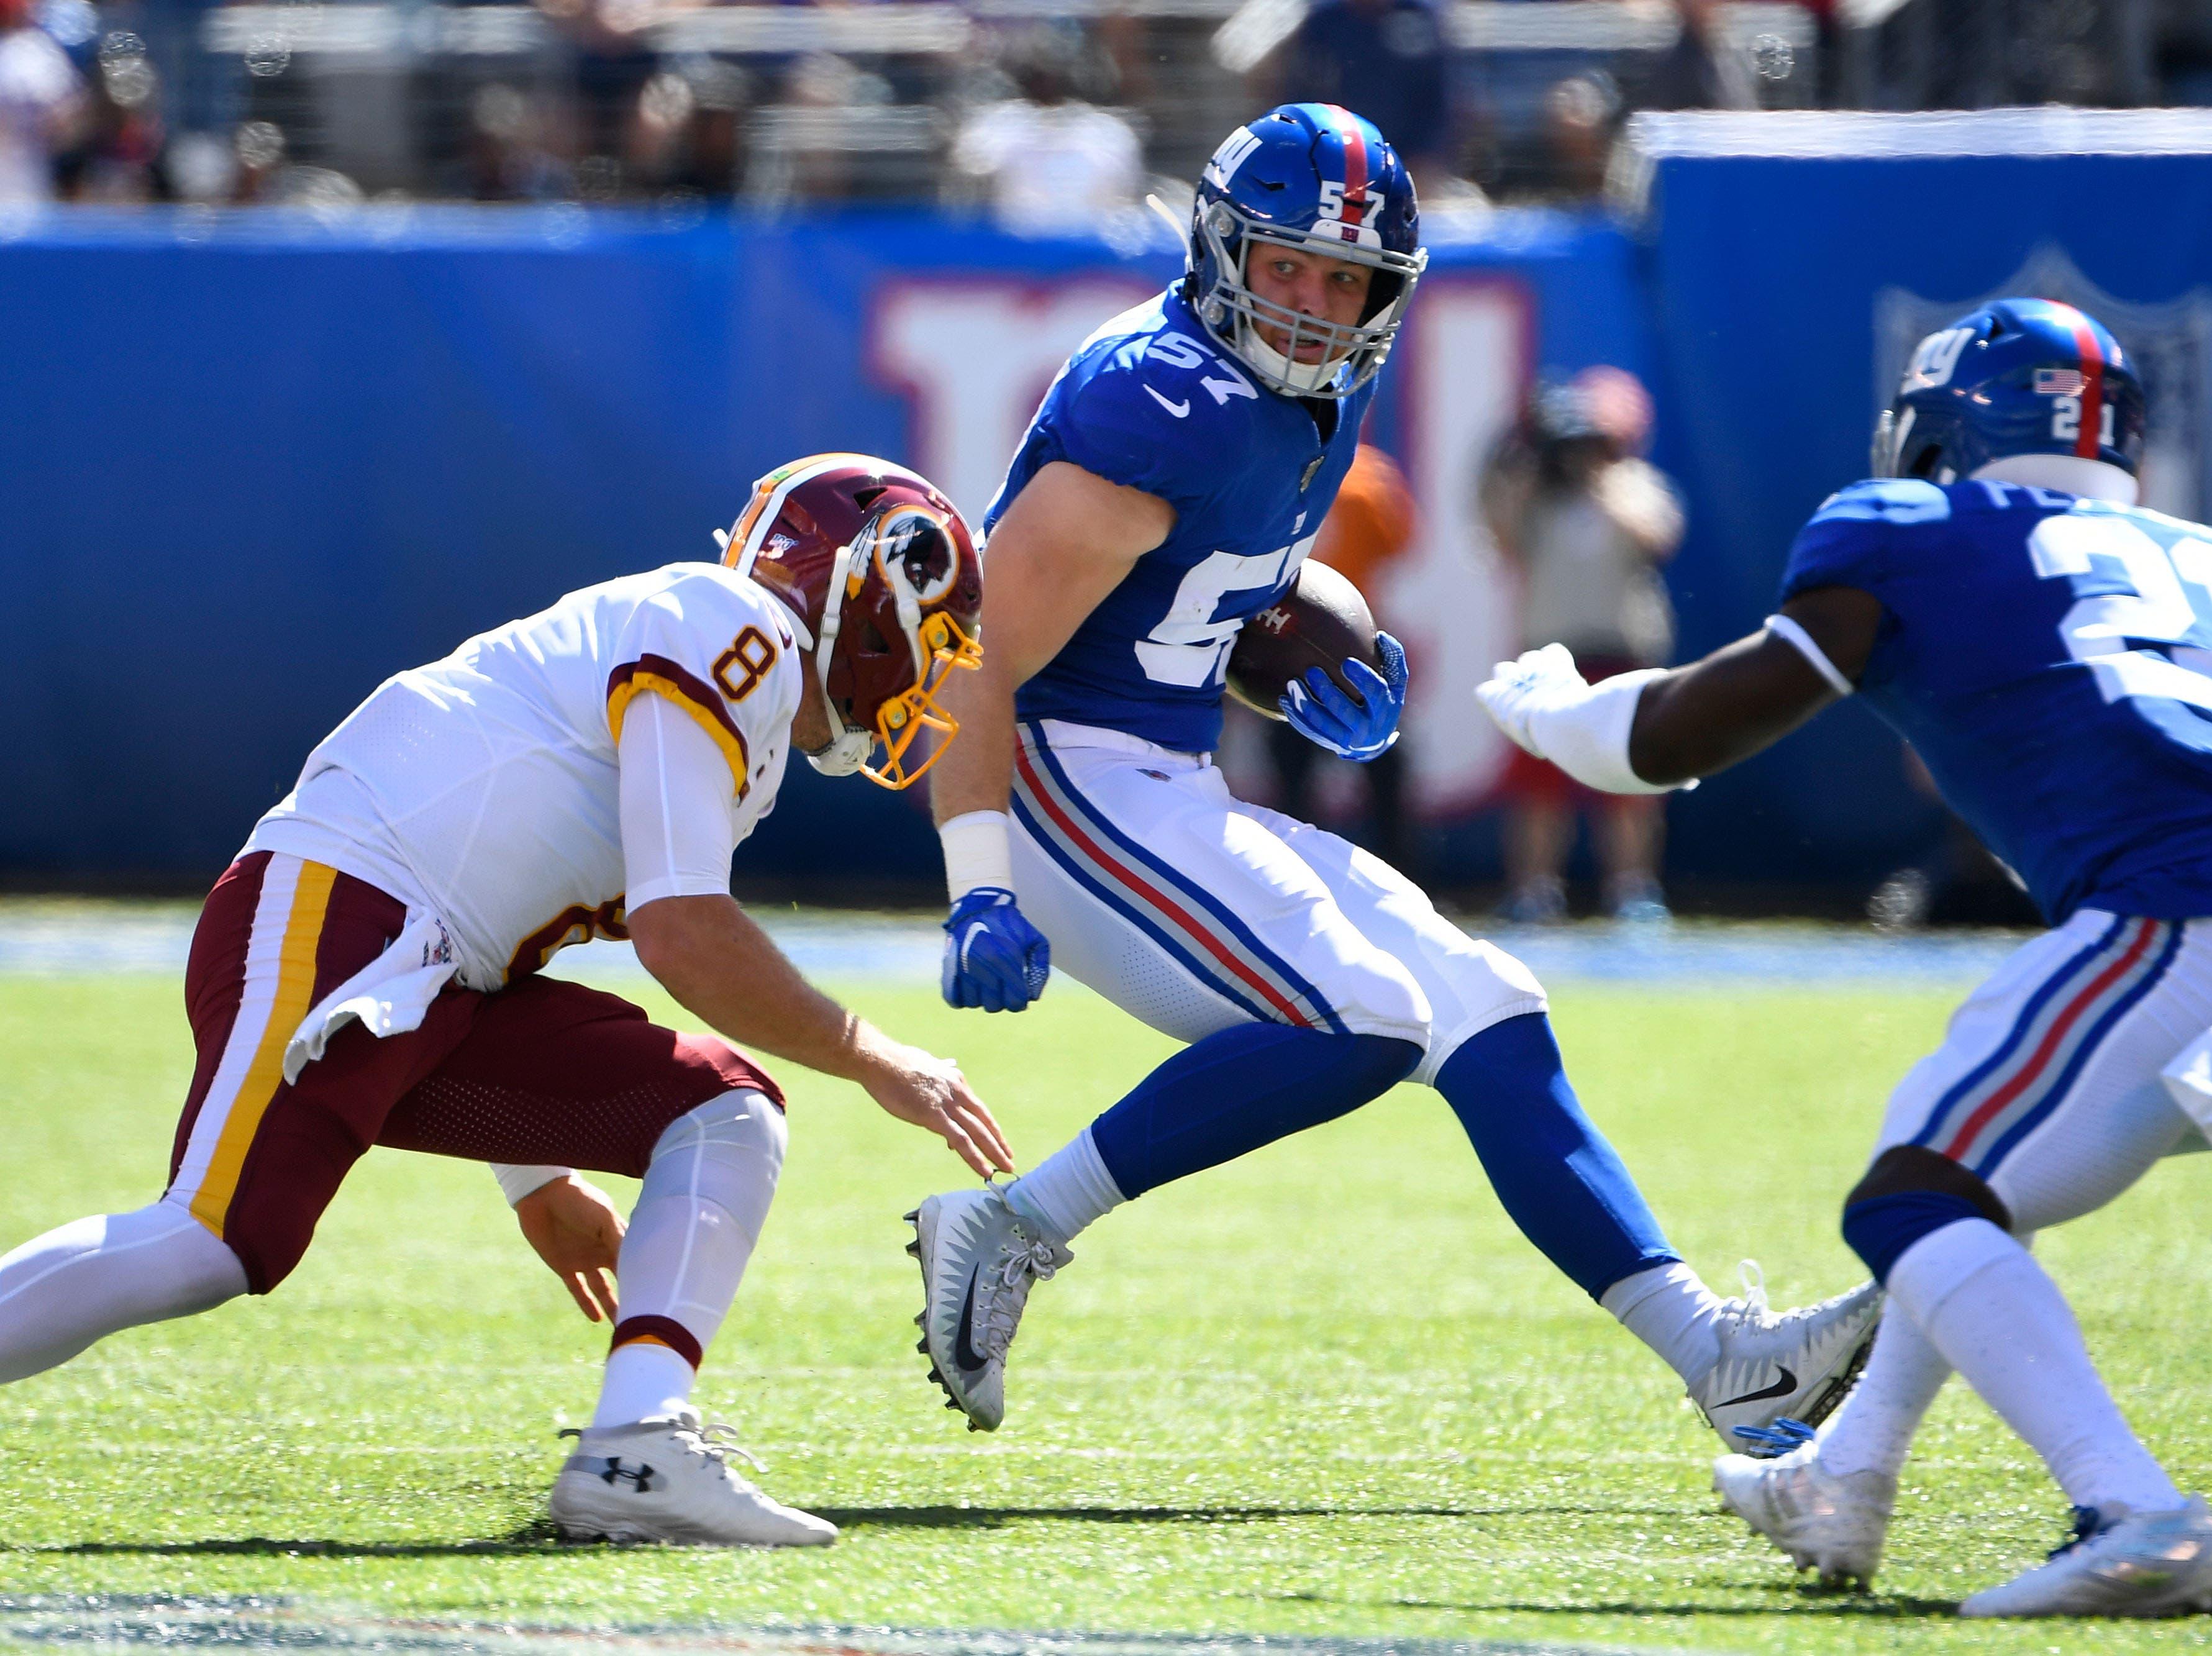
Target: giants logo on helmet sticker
column 1235, row 150
column 1937, row 358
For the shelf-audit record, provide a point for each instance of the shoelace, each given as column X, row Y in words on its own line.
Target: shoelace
column 2087, row 1522
column 1747, row 1272
column 1026, row 1256
column 715, row 1439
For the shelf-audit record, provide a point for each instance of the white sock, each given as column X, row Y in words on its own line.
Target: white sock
column 1068, row 1190
column 643, row 1379
column 63, row 1290
column 1984, row 1303
column 1874, row 1429
column 699, row 1214
column 1671, row 1310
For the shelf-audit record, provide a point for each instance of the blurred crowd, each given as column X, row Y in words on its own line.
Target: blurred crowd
column 1051, row 120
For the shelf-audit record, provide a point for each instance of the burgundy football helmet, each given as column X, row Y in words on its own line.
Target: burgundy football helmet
column 882, row 574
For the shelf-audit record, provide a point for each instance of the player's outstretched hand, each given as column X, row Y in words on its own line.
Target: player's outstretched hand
column 577, row 1232
column 1517, row 690
column 1321, row 712
column 931, row 1092
column 994, row 957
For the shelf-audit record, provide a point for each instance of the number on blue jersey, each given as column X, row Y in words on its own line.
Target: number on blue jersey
column 2138, row 580
column 1189, row 647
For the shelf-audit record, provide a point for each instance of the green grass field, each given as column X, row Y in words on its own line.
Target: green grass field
column 1328, row 1391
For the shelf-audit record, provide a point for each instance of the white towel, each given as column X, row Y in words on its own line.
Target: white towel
column 391, row 994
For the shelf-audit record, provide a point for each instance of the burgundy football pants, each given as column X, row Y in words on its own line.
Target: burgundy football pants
column 541, row 1071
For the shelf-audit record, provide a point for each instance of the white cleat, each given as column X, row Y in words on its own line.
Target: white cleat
column 2121, row 1564
column 1793, row 1366
column 668, row 1479
column 1831, row 1525
column 979, row 1259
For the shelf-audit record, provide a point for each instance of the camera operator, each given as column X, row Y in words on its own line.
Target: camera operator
column 1587, row 521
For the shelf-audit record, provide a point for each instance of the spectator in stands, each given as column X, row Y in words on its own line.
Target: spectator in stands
column 119, row 156
column 1371, row 526
column 1581, row 116
column 1386, row 59
column 691, row 134
column 42, row 106
column 613, row 62
column 1701, row 70
column 1048, row 161
column 1588, row 522
column 505, row 156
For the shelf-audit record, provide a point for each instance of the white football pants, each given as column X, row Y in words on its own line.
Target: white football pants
column 2047, row 1082
column 1194, row 911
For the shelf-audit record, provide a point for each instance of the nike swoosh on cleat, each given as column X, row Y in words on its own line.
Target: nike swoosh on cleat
column 1179, row 409
column 1781, row 1388
column 971, row 1360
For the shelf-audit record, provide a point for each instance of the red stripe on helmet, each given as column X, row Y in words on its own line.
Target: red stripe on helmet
column 1355, row 163
column 2087, row 441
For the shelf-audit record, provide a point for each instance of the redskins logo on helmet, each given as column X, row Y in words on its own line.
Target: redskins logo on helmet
column 882, row 575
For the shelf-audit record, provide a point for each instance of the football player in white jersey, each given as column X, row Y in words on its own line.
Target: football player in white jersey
column 366, row 971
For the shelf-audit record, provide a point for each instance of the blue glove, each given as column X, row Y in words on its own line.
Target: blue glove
column 993, row 958
column 1322, row 713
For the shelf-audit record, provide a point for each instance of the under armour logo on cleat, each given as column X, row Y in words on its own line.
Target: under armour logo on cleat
column 640, row 1479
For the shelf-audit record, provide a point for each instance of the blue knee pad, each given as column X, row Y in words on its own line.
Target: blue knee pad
column 1912, row 1191
column 1555, row 1175
column 1236, row 1090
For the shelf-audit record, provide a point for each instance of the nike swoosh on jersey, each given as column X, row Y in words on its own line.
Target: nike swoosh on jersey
column 1179, row 409
column 969, row 1359
column 1781, row 1388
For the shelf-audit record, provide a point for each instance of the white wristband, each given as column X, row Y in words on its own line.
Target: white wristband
column 518, row 1182
column 1586, row 736
column 976, row 852
column 1790, row 632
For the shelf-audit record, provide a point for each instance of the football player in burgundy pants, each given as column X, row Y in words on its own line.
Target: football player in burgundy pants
column 366, row 971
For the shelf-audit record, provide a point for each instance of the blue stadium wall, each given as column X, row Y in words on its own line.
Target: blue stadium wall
column 250, row 464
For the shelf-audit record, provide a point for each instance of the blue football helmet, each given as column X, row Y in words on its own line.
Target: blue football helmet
column 1319, row 177
column 2019, row 376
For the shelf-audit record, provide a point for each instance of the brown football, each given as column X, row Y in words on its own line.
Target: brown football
column 1320, row 623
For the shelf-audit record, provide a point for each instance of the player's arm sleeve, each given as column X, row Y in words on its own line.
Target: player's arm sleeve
column 679, row 826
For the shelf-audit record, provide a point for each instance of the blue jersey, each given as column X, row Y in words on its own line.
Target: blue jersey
column 2048, row 657
column 1151, row 402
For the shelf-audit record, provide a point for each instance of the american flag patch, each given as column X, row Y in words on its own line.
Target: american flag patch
column 2058, row 382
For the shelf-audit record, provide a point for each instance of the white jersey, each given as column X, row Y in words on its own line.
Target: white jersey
column 486, row 788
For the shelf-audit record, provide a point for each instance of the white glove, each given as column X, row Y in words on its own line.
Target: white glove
column 1545, row 706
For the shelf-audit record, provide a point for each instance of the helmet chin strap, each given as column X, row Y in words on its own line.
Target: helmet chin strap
column 848, row 749
column 2069, row 474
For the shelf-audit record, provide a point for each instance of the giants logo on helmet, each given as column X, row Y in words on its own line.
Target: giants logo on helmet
column 1232, row 154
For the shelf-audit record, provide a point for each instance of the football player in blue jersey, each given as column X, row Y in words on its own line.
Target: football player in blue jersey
column 2046, row 647
column 1167, row 490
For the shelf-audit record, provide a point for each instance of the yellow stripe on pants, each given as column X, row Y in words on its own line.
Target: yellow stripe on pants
column 295, row 989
